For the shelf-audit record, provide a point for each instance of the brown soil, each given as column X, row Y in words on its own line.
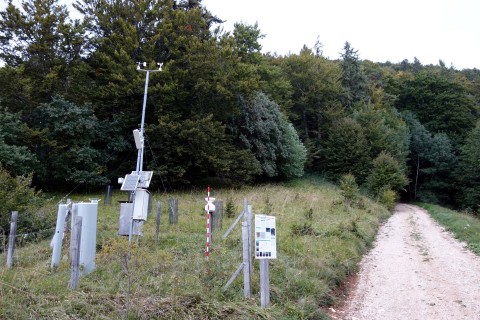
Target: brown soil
column 416, row 270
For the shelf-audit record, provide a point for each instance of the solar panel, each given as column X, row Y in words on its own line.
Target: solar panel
column 145, row 178
column 130, row 183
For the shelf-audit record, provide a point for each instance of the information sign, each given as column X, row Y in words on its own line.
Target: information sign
column 265, row 237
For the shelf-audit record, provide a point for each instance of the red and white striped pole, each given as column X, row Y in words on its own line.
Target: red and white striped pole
column 208, row 223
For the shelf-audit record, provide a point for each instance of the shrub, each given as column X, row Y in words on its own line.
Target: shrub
column 16, row 194
column 388, row 198
column 386, row 175
column 349, row 187
column 230, row 209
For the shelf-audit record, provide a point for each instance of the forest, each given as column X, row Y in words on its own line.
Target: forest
column 220, row 110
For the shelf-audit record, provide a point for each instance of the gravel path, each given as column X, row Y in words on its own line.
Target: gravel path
column 416, row 270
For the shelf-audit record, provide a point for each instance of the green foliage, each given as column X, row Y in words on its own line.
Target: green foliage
column 273, row 115
column 230, row 208
column 67, row 149
column 16, row 194
column 386, row 174
column 384, row 129
column 349, row 187
column 292, row 159
column 431, row 159
column 42, row 39
column 261, row 129
column 353, row 77
column 467, row 173
column 388, row 198
column 316, row 88
column 346, row 150
column 246, row 42
column 440, row 104
column 16, row 158
column 196, row 148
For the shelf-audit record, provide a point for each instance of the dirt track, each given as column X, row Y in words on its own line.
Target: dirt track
column 416, row 270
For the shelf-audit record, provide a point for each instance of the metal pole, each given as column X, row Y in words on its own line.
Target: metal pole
column 142, row 124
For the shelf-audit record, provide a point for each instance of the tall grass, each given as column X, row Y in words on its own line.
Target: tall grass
column 464, row 226
column 172, row 279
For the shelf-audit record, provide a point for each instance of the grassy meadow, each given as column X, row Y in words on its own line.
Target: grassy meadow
column 320, row 240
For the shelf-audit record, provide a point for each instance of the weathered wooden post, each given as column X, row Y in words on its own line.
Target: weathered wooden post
column 173, row 211
column 217, row 215
column 159, row 212
column 247, row 288
column 265, row 249
column 75, row 250
column 264, row 284
column 246, row 264
column 108, row 195
column 11, row 239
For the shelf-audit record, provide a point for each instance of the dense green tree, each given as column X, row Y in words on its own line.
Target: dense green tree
column 468, row 173
column 432, row 161
column 384, row 129
column 353, row 77
column 247, row 42
column 17, row 194
column 257, row 129
column 14, row 154
column 441, row 105
column 386, row 174
column 187, row 151
column 294, row 154
column 315, row 100
column 44, row 43
column 346, row 150
column 67, row 149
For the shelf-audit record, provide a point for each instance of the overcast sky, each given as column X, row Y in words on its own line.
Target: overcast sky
column 381, row 30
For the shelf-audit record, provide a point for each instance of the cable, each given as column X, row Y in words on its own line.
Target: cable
column 155, row 161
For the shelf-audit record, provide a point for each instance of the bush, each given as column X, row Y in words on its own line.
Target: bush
column 388, row 198
column 349, row 187
column 17, row 195
column 386, row 175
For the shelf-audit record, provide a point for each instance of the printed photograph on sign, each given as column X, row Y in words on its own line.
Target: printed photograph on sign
column 265, row 237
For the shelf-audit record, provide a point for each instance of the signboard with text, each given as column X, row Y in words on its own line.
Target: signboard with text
column 265, row 237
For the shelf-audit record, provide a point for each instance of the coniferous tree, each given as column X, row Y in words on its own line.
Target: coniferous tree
column 353, row 77
column 42, row 41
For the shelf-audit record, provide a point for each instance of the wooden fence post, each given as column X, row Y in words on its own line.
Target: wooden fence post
column 75, row 251
column 264, row 284
column 159, row 212
column 11, row 239
column 108, row 195
column 217, row 215
column 247, row 288
column 173, row 211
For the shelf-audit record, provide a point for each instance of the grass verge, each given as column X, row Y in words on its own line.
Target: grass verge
column 465, row 227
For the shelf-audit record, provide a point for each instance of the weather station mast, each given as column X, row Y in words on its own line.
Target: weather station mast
column 133, row 213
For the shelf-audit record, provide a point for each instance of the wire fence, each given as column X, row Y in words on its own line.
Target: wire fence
column 25, row 238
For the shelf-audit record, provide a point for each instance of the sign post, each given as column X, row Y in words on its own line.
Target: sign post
column 265, row 249
column 209, row 208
